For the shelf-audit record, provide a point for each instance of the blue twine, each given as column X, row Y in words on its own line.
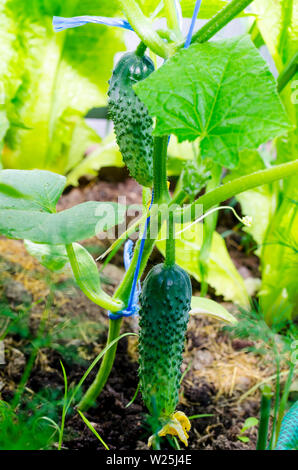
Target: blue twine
column 133, row 306
column 193, row 22
column 60, row 23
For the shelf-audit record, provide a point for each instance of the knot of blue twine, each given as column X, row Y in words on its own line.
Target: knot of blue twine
column 133, row 306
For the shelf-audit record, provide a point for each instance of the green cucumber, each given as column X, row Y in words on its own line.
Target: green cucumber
column 165, row 304
column 132, row 122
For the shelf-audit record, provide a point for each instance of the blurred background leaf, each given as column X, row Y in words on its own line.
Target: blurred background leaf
column 51, row 80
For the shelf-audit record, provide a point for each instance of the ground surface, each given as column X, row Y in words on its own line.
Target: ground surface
column 219, row 370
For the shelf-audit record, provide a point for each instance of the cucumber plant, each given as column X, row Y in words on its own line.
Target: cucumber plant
column 219, row 95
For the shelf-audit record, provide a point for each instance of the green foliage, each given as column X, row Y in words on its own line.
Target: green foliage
column 89, row 425
column 132, row 123
column 208, row 105
column 52, row 257
column 42, row 189
column 87, row 277
column 165, row 303
column 221, row 94
column 34, row 217
column 278, row 294
column 106, row 153
column 278, row 23
column 251, row 325
column 194, row 177
column 273, row 207
column 204, row 306
column 51, row 80
column 222, row 274
column 31, row 428
column 248, row 424
column 10, row 191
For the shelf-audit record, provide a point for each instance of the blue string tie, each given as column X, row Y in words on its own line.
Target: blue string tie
column 133, row 306
column 60, row 23
column 133, row 303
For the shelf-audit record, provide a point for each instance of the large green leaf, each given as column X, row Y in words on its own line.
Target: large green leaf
column 10, row 66
column 278, row 23
column 63, row 76
column 279, row 261
column 203, row 306
column 222, row 92
column 42, row 189
column 87, row 277
column 78, row 223
column 222, row 274
column 34, row 216
column 52, row 257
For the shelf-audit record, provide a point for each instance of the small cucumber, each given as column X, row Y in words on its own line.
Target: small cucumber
column 132, row 123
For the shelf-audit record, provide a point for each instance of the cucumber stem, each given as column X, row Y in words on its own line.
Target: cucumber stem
column 288, row 73
column 143, row 27
column 172, row 17
column 264, row 418
column 141, row 49
column 221, row 19
column 170, row 244
column 160, row 185
column 244, row 183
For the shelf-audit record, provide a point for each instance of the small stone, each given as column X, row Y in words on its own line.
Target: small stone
column 16, row 293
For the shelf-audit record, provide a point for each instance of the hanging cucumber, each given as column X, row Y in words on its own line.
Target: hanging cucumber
column 165, row 305
column 132, row 123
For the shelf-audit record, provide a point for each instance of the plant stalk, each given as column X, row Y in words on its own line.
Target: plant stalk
column 172, row 17
column 288, row 73
column 160, row 186
column 220, row 20
column 264, row 418
column 284, row 401
column 143, row 27
column 244, row 183
column 170, row 244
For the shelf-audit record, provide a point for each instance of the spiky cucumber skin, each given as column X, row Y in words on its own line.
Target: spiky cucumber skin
column 132, row 122
column 165, row 304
